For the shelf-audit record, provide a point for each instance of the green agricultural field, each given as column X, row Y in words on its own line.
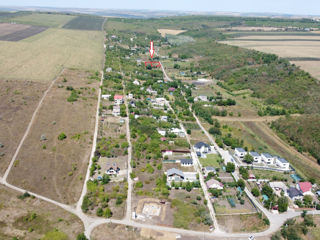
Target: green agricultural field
column 211, row 160
column 85, row 23
column 43, row 19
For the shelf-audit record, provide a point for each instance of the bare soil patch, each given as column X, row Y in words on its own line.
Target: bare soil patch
column 164, row 32
column 114, row 231
column 23, row 33
column 18, row 217
column 51, row 167
column 7, row 28
column 18, row 100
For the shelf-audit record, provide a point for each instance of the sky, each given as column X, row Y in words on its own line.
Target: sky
column 302, row 7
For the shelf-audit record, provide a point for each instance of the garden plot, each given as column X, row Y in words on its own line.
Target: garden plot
column 54, row 157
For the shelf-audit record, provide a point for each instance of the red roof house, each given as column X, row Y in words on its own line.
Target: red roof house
column 305, row 186
column 118, row 97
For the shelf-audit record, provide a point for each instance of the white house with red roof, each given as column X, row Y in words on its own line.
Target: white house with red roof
column 305, row 188
column 118, row 99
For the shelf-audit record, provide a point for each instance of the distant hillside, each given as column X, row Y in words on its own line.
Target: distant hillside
column 302, row 132
column 272, row 79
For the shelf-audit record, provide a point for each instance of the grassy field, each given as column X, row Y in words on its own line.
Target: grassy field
column 85, row 22
column 43, row 19
column 241, row 223
column 52, row 167
column 31, row 218
column 18, row 100
column 42, row 57
column 211, row 160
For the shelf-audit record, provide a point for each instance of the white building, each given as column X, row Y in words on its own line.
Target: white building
column 164, row 118
column 177, row 175
column 267, row 158
column 116, row 110
column 240, row 153
column 201, row 98
column 161, row 132
column 136, row 82
column 105, row 96
column 282, row 163
column 208, row 170
column 201, row 149
column 214, row 184
column 118, row 99
column 256, row 157
column 177, row 131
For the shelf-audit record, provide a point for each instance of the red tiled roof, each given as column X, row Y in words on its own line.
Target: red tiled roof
column 305, row 186
column 118, row 97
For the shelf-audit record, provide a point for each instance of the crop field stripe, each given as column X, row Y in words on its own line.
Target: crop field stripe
column 85, row 23
column 274, row 40
column 22, row 34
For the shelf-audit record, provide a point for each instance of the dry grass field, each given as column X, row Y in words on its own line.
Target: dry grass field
column 43, row 19
column 241, row 223
column 164, row 32
column 43, row 56
column 55, row 168
column 287, row 47
column 18, row 100
column 7, row 28
column 32, row 218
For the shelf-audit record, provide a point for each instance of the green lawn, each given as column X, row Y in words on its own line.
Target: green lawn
column 211, row 160
column 271, row 175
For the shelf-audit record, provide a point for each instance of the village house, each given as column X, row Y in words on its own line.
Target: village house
column 186, row 162
column 214, row 184
column 177, row 175
column 105, row 96
column 151, row 91
column 201, row 149
column 164, row 118
column 132, row 103
column 118, row 99
column 208, row 170
column 158, row 102
column 112, row 169
column 177, row 131
column 109, row 70
column 162, row 132
column 277, row 187
column 130, row 96
column 240, row 153
column 256, row 157
column 136, row 82
column 267, row 158
column 294, row 194
column 201, row 98
column 305, row 188
column 116, row 110
column 282, row 163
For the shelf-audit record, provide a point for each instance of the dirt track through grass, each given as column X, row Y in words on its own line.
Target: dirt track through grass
column 56, row 168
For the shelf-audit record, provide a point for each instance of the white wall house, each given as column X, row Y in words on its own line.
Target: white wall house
column 214, row 184
column 164, row 118
column 118, row 99
column 116, row 110
column 281, row 162
column 267, row 158
column 202, row 147
column 161, row 132
column 256, row 157
column 177, row 131
column 240, row 153
column 177, row 175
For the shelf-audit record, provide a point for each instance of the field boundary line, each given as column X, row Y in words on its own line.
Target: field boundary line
column 5, row 176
